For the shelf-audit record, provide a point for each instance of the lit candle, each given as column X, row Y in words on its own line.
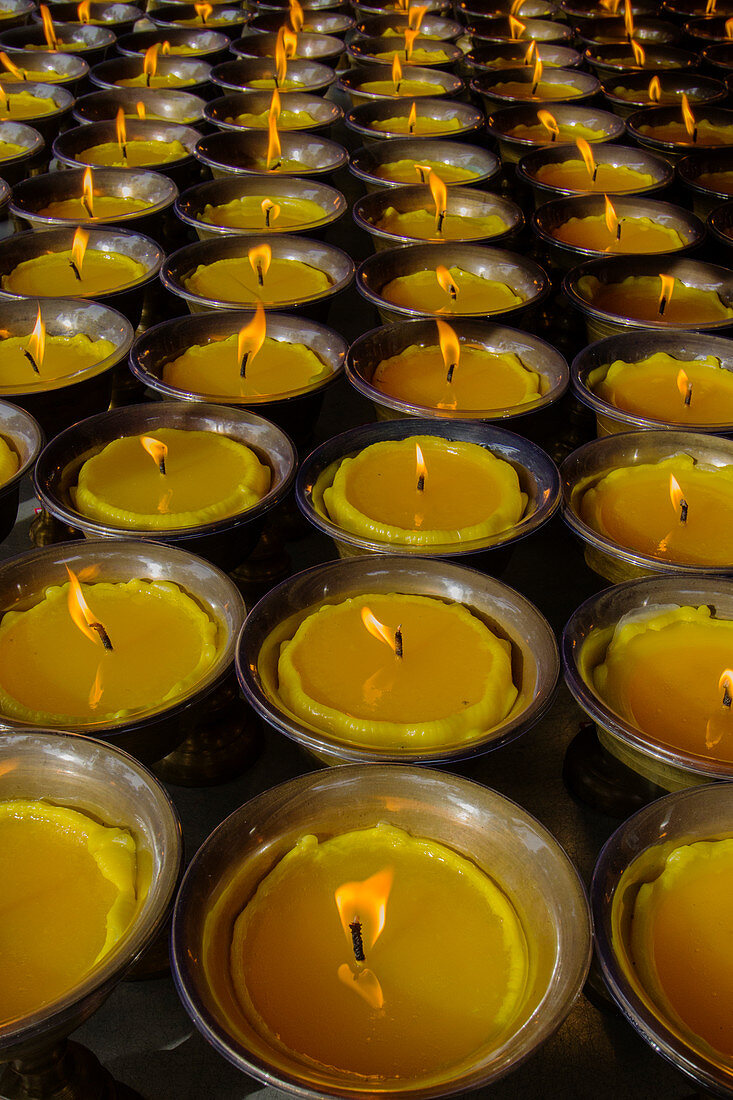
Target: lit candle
column 689, row 130
column 17, row 104
column 9, row 461
column 131, row 153
column 655, row 298
column 588, row 175
column 450, row 291
column 667, row 388
column 74, row 271
column 401, row 86
column 408, row 171
column 547, row 130
column 610, row 233
column 90, row 206
column 286, row 119
column 258, row 277
column 42, row 360
column 415, row 123
column 150, row 77
column 535, row 88
column 259, row 212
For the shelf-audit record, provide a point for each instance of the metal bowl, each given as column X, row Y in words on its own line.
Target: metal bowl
column 608, row 60
column 510, row 55
column 192, row 72
column 227, row 18
column 24, row 435
column 445, row 111
column 489, row 87
column 497, row 28
column 659, row 116
column 13, row 169
column 63, row 69
column 698, row 89
column 461, row 202
column 245, row 153
column 15, row 13
column 503, row 125
column 223, row 112
column 432, row 26
column 612, row 31
column 46, row 124
column 369, row 50
column 81, row 39
column 212, row 45
column 114, row 16
column 246, row 73
column 352, row 83
column 323, row 48
column 366, row 161
column 70, row 148
column 336, row 23
column 690, row 169
column 161, row 105
column 618, row 155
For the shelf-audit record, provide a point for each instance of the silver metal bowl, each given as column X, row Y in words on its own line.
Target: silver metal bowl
column 361, row 119
column 48, row 124
column 502, row 124
column 112, row 15
column 192, row 72
column 24, row 435
column 698, row 89
column 659, row 116
column 161, row 104
column 14, row 169
column 240, row 75
column 16, row 13
column 212, row 45
column 352, row 83
column 489, row 87
column 81, row 39
column 369, row 50
column 227, row 18
column 509, row 55
column 705, row 197
column 70, row 148
column 245, row 153
column 461, row 202
column 366, row 161
column 497, row 28
column 432, row 26
column 323, row 48
column 63, row 69
column 317, row 21
column 627, row 156
column 223, row 112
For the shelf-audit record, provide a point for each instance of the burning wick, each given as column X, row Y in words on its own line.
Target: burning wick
column 684, row 385
column 85, row 619
column 683, row 510
column 156, row 450
column 31, row 360
column 356, row 940
column 412, row 118
column 121, row 132
column 666, row 293
column 398, row 651
column 103, row 635
column 75, row 269
column 421, row 483
column 688, row 395
column 727, row 697
column 420, row 468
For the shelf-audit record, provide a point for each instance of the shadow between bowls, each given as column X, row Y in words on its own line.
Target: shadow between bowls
column 24, row 435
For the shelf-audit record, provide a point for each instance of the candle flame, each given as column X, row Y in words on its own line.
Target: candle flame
column 81, row 614
column 710, row 7
column 396, row 73
column 157, row 450
column 377, row 629
column 365, row 902
column 638, row 52
column 725, row 686
column 516, row 7
column 290, row 42
column 203, row 11
column 140, row 108
column 84, row 11
column 260, row 258
column 165, row 48
column 549, row 122
column 150, row 61
column 445, row 280
column 281, row 58
column 297, row 19
column 531, row 52
column 251, row 338
column 12, row 68
column 87, row 192
column 97, row 689
column 423, row 171
column 450, row 347
column 537, row 74
column 121, row 127
column 364, row 982
column 687, row 116
column 655, row 89
column 610, row 5
column 271, row 211
column 79, row 247
column 410, row 37
column 666, row 292
column 440, row 197
column 412, row 118
column 611, row 216
column 37, row 340
column 415, row 16
column 403, row 5
column 676, row 495
column 274, row 149
column 729, row 27
column 516, row 27
column 49, row 31
column 421, row 471
column 628, row 19
column 587, row 154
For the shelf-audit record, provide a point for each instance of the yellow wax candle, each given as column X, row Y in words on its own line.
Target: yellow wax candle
column 661, row 672
column 419, row 56
column 207, row 477
column 156, row 80
column 405, row 171
column 214, row 20
column 287, row 120
column 284, row 167
column 451, row 684
column 104, row 206
column 8, row 150
column 63, row 47
column 404, row 87
column 422, row 291
column 515, row 89
column 638, row 235
column 53, row 274
column 395, row 32
column 568, row 132
column 42, row 76
column 273, row 82
column 682, row 923
column 423, row 124
column 235, row 280
column 69, row 894
column 421, row 225
column 163, row 643
column 708, row 133
column 19, row 105
column 652, row 61
column 467, row 493
column 278, row 368
column 135, row 154
column 246, row 213
column 376, row 1021
column 63, row 356
column 717, row 181
column 633, row 506
column 638, row 296
column 572, row 175
column 653, row 387
column 9, row 462
column 481, row 380
column 182, row 50
column 642, row 97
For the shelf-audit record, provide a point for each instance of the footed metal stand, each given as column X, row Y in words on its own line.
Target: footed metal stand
column 66, row 1072
column 45, row 530
column 598, row 780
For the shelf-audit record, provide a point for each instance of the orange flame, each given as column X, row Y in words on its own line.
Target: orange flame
column 516, row 27
column 271, row 211
column 157, row 450
column 165, row 48
column 587, row 154
column 516, row 7
column 81, row 614
column 49, row 31
column 537, row 74
column 12, row 68
column 410, row 37
column 729, row 27
column 150, row 61
column 290, row 42
column 612, row 222
column 415, row 17
column 97, row 689
column 687, row 116
column 403, row 5
column 87, row 192
column 677, row 498
column 364, row 982
column 655, row 89
column 710, row 7
column 37, row 340
column 440, row 197
column 628, row 19
column 365, row 902
column 450, row 348
column 421, row 472
column 445, row 280
column 423, row 171
column 666, row 292
column 297, row 19
column 412, row 118
column 140, row 108
column 121, row 128
column 531, row 52
column 84, row 11
column 281, row 58
column 274, row 149
column 203, row 11
column 639, row 54
column 251, row 338
column 396, row 73
column 684, row 385
column 550, row 123
column 610, row 5
column 260, row 258
column 79, row 247
column 378, row 630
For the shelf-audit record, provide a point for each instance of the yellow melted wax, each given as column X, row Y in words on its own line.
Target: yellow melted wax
column 159, row 80
column 635, row 235
column 650, row 387
column 479, row 993
column 42, row 76
column 661, row 672
column 632, row 507
column 69, row 894
column 515, row 89
column 422, row 125
column 569, row 132
column 681, row 930
column 247, row 213
column 104, row 206
column 208, row 477
column 9, row 149
column 136, row 154
column 638, row 296
column 63, row 47
column 572, row 175
column 214, row 369
column 53, row 274
column 403, row 88
column 271, row 82
column 482, row 379
column 639, row 95
column 708, row 133
column 404, row 171
column 422, row 291
column 63, row 356
column 163, row 644
column 287, row 120
column 24, row 105
column 9, row 462
column 721, row 182
column 421, row 224
column 468, row 493
column 234, row 280
column 452, row 683
column 419, row 56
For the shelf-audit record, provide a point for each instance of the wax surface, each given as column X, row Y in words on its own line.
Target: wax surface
column 159, row 80
column 63, row 356
column 650, row 387
column 9, row 462
column 69, row 893
column 661, row 672
column 636, row 235
column 421, row 224
column 234, row 280
column 286, row 120
column 638, row 296
column 214, row 369
column 681, row 934
column 271, row 82
column 568, row 132
column 452, row 683
column 419, row 56
column 63, row 46
column 51, row 672
column 136, row 154
column 642, row 97
column 481, row 380
column 404, row 87
column 707, row 133
column 721, row 182
column 42, row 76
column 572, row 175
column 24, row 105
column 404, row 171
column 632, row 507
column 468, row 493
column 247, row 213
column 208, row 477
column 423, row 292
column 517, row 89
column 439, row 907
column 422, row 125
column 9, row 149
column 104, row 206
column 284, row 167
column 53, row 274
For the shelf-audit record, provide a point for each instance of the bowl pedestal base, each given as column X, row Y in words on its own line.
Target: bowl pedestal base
column 65, row 1072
